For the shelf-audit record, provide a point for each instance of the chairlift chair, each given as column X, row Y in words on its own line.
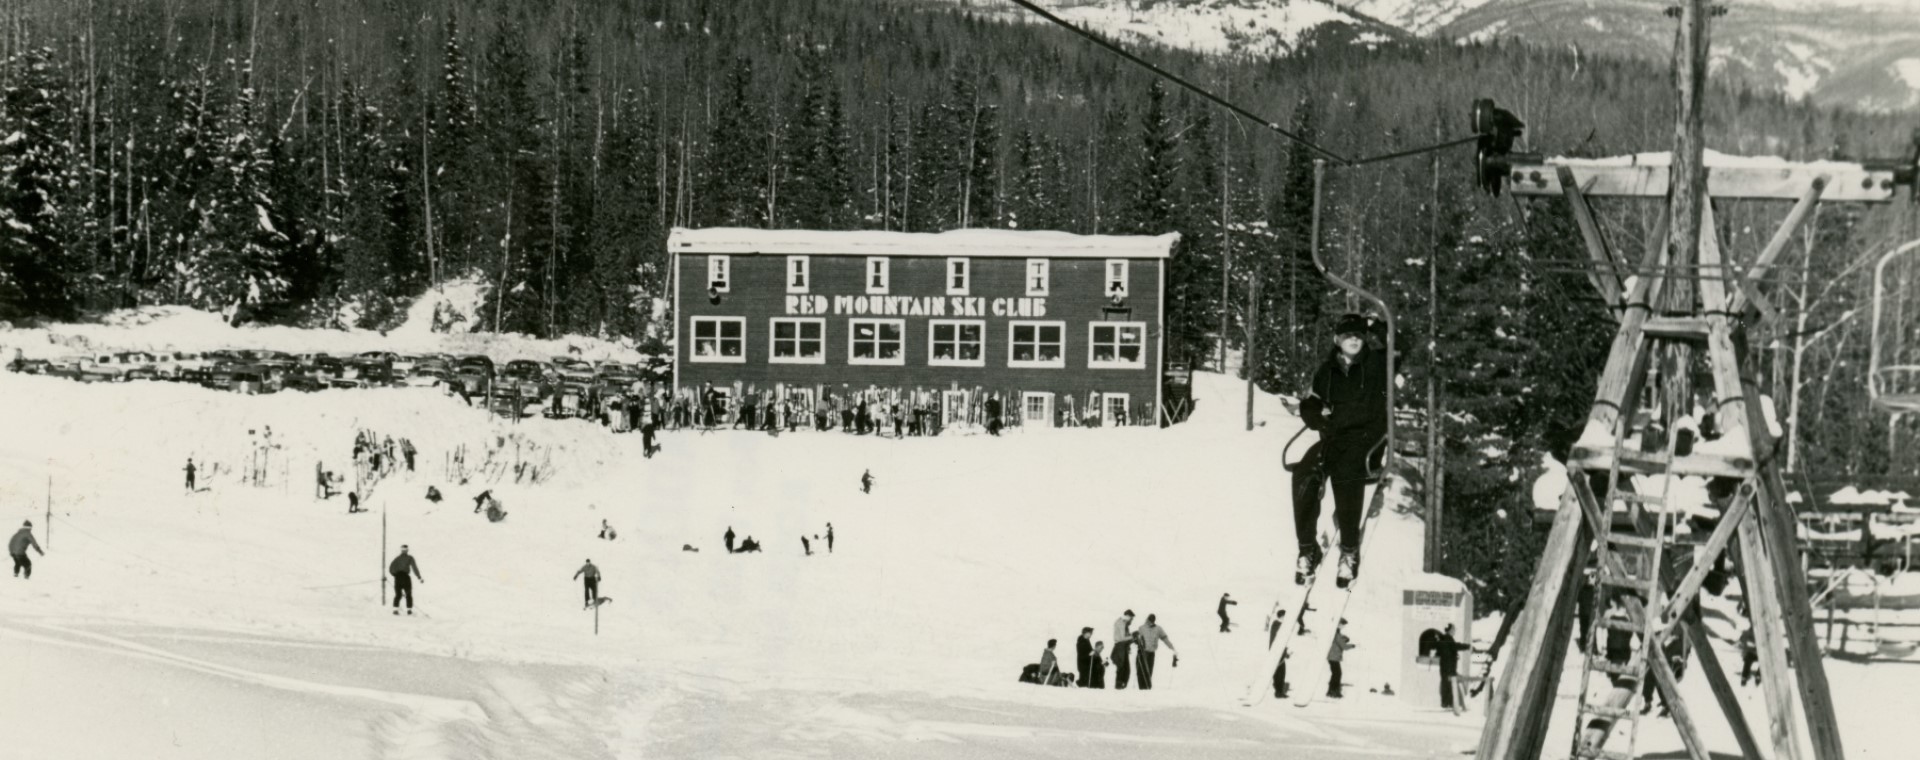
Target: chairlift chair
column 1893, row 373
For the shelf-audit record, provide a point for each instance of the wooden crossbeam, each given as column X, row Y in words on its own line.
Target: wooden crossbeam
column 1809, row 198
column 1783, row 181
column 1606, row 273
column 1730, row 520
column 1717, row 679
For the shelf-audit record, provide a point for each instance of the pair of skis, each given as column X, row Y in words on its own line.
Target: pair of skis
column 1311, row 667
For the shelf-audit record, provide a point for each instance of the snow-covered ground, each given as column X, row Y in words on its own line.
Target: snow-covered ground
column 244, row 621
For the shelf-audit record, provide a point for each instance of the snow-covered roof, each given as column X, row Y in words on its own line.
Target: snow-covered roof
column 1712, row 158
column 1008, row 243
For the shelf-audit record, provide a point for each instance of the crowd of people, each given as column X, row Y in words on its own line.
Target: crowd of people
column 1134, row 657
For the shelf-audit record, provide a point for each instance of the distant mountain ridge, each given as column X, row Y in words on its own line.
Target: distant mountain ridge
column 1862, row 54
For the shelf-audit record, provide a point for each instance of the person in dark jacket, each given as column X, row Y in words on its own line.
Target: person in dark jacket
column 17, row 547
column 1098, row 664
column 404, row 570
column 190, row 473
column 1448, row 651
column 729, row 539
column 866, row 481
column 1083, row 656
column 1225, row 624
column 1347, row 404
column 592, row 576
column 829, row 538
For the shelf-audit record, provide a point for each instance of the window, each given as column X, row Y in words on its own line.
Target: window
column 720, row 339
column 799, row 341
column 957, row 343
column 799, row 274
column 719, row 274
column 1038, row 277
column 877, row 341
column 1116, row 278
column 959, row 276
column 877, row 275
column 1117, row 345
column 1037, row 344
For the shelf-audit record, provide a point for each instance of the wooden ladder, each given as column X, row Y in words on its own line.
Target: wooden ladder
column 1629, row 566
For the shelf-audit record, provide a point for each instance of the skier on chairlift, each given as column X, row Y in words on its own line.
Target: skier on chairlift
column 1347, row 404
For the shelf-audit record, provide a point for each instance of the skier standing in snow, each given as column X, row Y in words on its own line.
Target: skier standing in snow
column 407, row 450
column 592, row 576
column 829, row 538
column 1335, row 653
column 729, row 539
column 1448, row 650
column 1097, row 663
column 866, row 481
column 190, row 471
column 404, row 570
column 17, row 546
column 806, row 546
column 1083, row 655
column 1151, row 637
column 1225, row 624
column 1123, row 638
column 1347, row 404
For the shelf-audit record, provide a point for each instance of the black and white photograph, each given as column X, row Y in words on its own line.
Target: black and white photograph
column 960, row 379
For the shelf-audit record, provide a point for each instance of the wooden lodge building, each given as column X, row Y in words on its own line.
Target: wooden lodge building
column 1059, row 328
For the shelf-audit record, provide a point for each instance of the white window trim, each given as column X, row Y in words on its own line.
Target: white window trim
column 1046, row 277
column 1047, row 398
column 980, row 362
column 1106, row 406
column 852, row 338
column 1106, row 277
column 966, row 276
column 693, row 341
column 806, row 274
column 1060, row 363
column 719, row 270
column 886, row 275
column 1093, row 364
column 773, row 340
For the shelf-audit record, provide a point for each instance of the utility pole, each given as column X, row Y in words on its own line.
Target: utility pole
column 1252, row 359
column 1434, row 503
column 383, row 551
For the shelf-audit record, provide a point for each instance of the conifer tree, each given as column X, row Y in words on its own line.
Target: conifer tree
column 38, row 215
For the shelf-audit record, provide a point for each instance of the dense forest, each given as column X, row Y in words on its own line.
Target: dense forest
column 319, row 163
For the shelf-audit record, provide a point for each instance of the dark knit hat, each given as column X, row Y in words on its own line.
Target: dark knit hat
column 1350, row 324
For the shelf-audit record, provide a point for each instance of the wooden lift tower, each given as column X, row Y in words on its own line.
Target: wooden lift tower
column 1689, row 299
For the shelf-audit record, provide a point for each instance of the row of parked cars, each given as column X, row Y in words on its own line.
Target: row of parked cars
column 271, row 371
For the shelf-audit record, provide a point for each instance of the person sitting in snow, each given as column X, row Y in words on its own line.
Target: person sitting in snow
column 606, row 531
column 433, row 494
column 749, row 545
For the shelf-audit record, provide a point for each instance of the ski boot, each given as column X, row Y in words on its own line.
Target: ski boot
column 1305, row 568
column 1349, row 568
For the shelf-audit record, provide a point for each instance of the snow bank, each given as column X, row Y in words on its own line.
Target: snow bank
column 179, row 328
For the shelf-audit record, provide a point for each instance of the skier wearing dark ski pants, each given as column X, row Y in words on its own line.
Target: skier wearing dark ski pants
column 404, row 570
column 1347, row 403
column 1151, row 636
column 1122, row 649
column 1448, row 650
column 17, row 547
column 592, row 576
column 1083, row 656
column 1335, row 654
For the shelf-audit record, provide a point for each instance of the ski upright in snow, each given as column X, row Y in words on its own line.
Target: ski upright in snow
column 1290, row 609
column 1313, row 666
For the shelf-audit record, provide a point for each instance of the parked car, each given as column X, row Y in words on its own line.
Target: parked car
column 280, row 359
column 428, row 377
column 574, row 370
column 180, row 365
column 305, row 382
column 113, row 367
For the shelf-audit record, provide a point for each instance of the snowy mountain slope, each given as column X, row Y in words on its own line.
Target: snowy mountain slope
column 1838, row 52
column 1239, row 27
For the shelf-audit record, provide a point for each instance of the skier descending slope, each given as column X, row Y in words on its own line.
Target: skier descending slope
column 1347, row 404
column 404, row 570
